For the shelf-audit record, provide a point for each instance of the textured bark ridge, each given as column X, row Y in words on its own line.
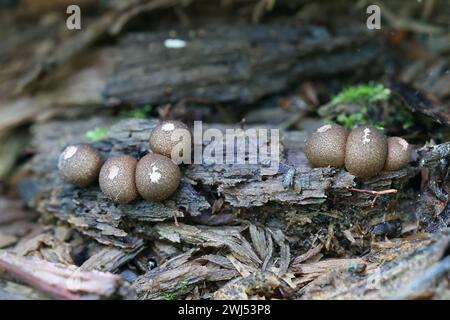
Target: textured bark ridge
column 61, row 281
column 301, row 201
column 232, row 63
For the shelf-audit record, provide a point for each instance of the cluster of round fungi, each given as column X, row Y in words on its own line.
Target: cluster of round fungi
column 364, row 151
column 155, row 177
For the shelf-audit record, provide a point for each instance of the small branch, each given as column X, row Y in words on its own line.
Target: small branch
column 374, row 192
column 62, row 281
column 33, row 281
column 176, row 220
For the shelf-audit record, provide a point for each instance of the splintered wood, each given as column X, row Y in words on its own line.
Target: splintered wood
column 298, row 209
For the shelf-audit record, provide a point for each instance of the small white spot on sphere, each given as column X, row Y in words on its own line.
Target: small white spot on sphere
column 69, row 152
column 403, row 143
column 324, row 128
column 113, row 172
column 168, row 127
column 154, row 174
column 366, row 136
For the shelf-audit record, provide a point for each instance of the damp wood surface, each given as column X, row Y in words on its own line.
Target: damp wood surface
column 231, row 64
column 229, row 232
column 238, row 234
column 299, row 200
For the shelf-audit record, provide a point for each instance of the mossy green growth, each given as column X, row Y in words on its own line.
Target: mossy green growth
column 406, row 117
column 358, row 105
column 97, row 134
column 184, row 286
column 364, row 94
column 141, row 113
column 357, row 118
column 169, row 296
column 370, row 104
column 351, row 120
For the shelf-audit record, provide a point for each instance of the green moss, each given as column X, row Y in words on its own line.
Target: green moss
column 359, row 117
column 141, row 113
column 364, row 94
column 184, row 285
column 406, row 117
column 351, row 120
column 97, row 134
column 169, row 296
column 363, row 102
column 368, row 104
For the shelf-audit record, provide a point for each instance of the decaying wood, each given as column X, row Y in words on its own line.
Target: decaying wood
column 390, row 271
column 178, row 280
column 260, row 283
column 233, row 63
column 433, row 209
column 90, row 211
column 273, row 217
column 10, row 290
column 71, row 89
column 12, row 211
column 229, row 232
column 15, row 222
column 417, row 268
column 419, row 102
column 299, row 209
column 109, row 259
column 224, row 237
column 308, row 272
column 61, row 281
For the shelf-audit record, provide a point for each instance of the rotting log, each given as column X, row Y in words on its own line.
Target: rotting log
column 433, row 207
column 414, row 268
column 420, row 102
column 325, row 203
column 61, row 281
column 230, row 64
column 233, row 63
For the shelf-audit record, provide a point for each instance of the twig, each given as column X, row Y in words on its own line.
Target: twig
column 374, row 192
column 176, row 220
column 45, row 287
